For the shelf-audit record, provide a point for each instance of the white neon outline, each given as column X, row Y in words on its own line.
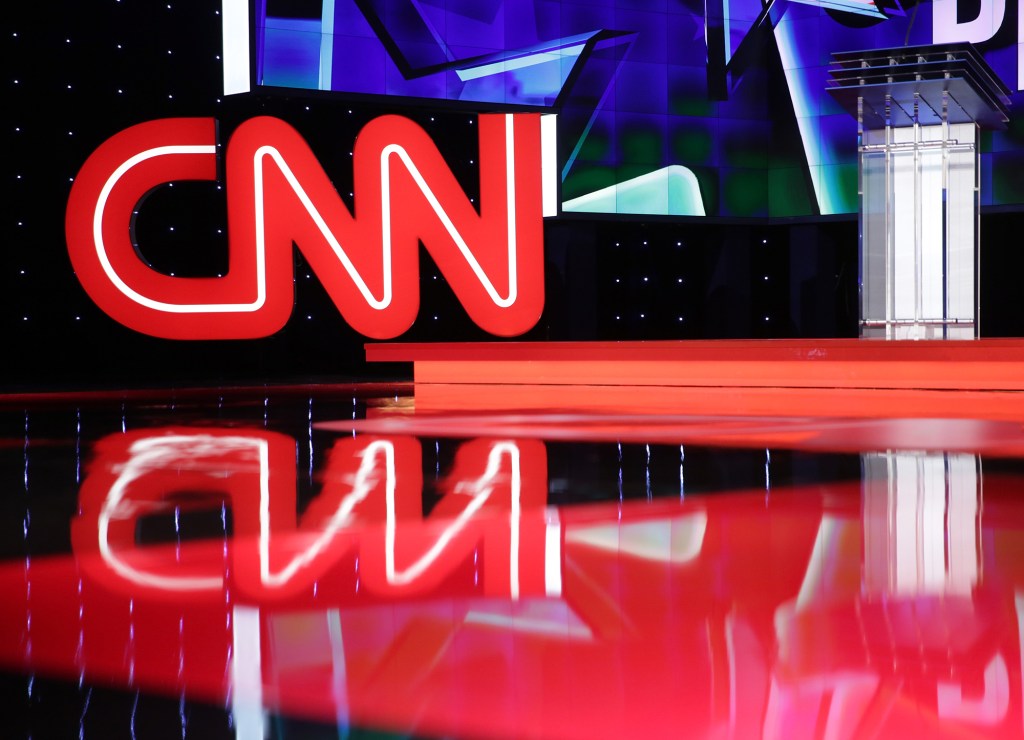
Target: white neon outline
column 515, row 521
column 510, row 203
column 307, row 203
column 480, row 490
column 146, row 455
column 149, row 453
column 124, row 288
column 361, row 488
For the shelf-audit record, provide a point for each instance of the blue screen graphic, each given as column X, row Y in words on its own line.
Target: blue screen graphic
column 666, row 107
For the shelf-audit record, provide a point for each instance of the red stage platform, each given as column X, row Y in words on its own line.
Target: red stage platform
column 845, row 377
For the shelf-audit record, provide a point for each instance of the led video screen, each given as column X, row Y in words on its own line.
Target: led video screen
column 666, row 107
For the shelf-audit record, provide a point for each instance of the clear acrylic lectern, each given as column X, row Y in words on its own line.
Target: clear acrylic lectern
column 919, row 111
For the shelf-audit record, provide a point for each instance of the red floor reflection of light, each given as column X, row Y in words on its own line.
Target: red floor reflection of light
column 472, row 601
column 717, row 401
column 1002, row 438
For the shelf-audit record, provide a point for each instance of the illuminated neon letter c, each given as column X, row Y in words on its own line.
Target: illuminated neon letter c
column 103, row 200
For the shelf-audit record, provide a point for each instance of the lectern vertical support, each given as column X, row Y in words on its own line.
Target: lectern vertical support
column 919, row 112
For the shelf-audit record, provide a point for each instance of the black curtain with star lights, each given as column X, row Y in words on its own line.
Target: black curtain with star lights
column 77, row 72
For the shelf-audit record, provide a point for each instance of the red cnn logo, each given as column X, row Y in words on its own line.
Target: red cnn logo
column 277, row 194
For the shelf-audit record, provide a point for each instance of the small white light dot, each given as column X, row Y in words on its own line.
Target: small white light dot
column 679, row 244
column 618, row 280
column 172, row 228
column 617, row 318
column 120, row 91
column 172, row 274
column 168, row 51
column 169, row 97
column 22, row 272
column 645, row 244
column 435, row 318
column 680, row 318
column 119, row 46
column 766, row 318
column 78, row 318
column 765, row 277
column 764, row 241
column 308, row 316
column 645, row 280
column 643, row 316
column 679, row 280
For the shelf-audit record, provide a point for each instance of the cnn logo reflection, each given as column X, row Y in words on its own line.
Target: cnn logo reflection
column 856, row 606
column 365, row 530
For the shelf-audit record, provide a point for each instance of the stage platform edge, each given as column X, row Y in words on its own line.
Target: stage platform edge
column 985, row 364
column 845, row 377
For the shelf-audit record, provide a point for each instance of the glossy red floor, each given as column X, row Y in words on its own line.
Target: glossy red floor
column 331, row 561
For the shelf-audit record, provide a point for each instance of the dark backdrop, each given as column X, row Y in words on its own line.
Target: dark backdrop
column 79, row 72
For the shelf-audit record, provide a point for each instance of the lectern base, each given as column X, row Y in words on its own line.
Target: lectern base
column 918, row 330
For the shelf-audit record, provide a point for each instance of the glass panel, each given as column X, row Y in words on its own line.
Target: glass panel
column 919, row 232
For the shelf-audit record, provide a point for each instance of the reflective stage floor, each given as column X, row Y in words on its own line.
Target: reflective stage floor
column 353, row 561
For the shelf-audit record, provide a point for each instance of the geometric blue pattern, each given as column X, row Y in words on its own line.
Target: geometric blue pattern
column 731, row 90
